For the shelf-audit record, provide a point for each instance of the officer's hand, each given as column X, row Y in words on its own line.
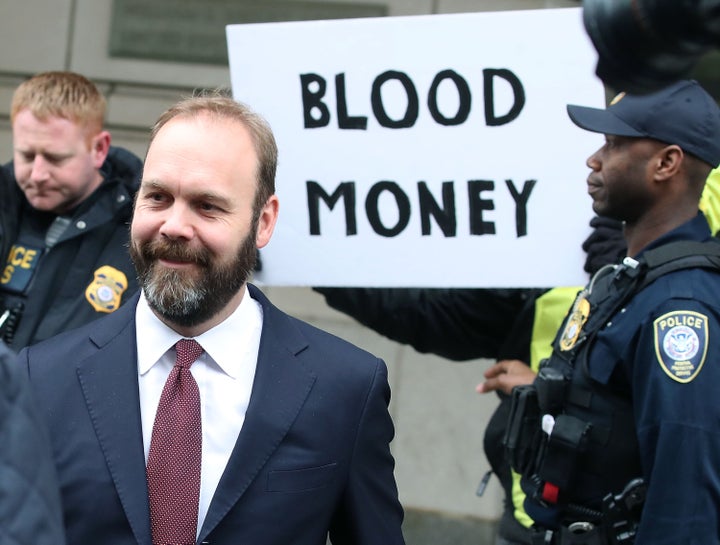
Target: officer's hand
column 605, row 244
column 505, row 375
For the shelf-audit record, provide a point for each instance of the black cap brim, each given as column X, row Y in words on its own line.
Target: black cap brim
column 602, row 121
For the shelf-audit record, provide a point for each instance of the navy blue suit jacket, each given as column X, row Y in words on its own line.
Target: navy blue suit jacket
column 312, row 458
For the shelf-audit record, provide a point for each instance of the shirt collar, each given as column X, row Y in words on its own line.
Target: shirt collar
column 155, row 338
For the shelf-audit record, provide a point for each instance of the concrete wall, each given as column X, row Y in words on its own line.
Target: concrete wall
column 439, row 418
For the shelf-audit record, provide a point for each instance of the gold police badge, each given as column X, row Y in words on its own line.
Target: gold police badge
column 681, row 343
column 575, row 322
column 105, row 292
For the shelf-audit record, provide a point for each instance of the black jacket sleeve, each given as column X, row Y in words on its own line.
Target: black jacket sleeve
column 458, row 324
column 30, row 512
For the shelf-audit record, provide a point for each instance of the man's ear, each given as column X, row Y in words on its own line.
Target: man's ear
column 266, row 221
column 669, row 161
column 99, row 148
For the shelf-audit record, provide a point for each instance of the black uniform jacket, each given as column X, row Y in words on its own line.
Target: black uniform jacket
column 86, row 274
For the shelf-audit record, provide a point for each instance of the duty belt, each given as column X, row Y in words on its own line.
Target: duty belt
column 616, row 525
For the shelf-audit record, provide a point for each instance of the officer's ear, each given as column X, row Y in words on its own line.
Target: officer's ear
column 99, row 147
column 668, row 161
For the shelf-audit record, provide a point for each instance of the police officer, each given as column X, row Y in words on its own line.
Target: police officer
column 621, row 442
column 65, row 204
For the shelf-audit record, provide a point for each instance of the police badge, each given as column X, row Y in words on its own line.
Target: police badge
column 681, row 343
column 576, row 320
column 105, row 292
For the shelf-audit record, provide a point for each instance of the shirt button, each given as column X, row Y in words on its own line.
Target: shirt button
column 81, row 225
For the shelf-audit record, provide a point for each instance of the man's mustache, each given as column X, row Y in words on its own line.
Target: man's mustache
column 176, row 251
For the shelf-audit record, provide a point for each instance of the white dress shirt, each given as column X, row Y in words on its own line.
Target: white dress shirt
column 224, row 374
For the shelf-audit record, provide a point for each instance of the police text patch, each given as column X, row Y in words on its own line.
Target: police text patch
column 681, row 341
column 22, row 262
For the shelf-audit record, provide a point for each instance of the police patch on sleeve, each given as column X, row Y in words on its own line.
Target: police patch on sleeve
column 105, row 292
column 681, row 341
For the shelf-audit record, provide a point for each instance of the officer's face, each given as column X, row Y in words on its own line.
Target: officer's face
column 56, row 162
column 620, row 183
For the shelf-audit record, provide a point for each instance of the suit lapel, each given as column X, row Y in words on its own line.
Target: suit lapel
column 280, row 389
column 110, row 385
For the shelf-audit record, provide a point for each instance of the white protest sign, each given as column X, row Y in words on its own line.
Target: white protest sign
column 429, row 150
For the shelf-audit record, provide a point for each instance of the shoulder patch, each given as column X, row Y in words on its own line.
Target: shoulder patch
column 105, row 292
column 681, row 341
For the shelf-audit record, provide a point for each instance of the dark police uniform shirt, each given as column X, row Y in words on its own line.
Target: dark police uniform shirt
column 663, row 350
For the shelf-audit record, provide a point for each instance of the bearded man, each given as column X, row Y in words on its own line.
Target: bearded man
column 198, row 412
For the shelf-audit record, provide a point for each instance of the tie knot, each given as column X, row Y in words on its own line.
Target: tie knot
column 188, row 350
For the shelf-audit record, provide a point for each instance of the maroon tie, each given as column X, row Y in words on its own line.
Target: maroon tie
column 173, row 467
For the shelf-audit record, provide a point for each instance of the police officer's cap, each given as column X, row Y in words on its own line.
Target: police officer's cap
column 683, row 114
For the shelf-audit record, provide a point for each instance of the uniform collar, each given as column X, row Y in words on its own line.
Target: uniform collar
column 697, row 229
